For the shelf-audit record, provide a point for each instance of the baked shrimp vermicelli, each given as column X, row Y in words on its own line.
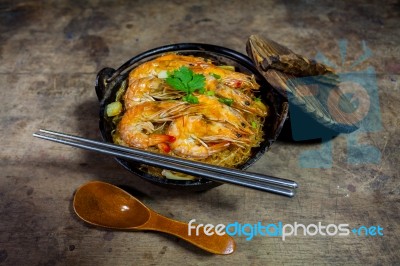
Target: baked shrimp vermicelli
column 186, row 106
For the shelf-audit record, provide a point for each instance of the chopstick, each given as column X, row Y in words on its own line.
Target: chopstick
column 216, row 173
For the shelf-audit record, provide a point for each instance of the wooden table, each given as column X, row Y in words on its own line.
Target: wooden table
column 50, row 54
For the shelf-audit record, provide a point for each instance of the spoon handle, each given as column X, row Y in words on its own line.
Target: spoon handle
column 213, row 242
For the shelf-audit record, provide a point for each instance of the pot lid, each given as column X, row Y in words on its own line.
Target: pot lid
column 318, row 103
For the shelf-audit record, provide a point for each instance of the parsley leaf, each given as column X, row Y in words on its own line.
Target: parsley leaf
column 197, row 82
column 226, row 101
column 190, row 98
column 184, row 74
column 176, row 84
column 185, row 80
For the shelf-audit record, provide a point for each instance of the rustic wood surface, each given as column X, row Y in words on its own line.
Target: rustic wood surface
column 50, row 53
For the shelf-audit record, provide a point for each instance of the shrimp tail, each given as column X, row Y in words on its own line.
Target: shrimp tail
column 164, row 147
column 213, row 148
column 155, row 139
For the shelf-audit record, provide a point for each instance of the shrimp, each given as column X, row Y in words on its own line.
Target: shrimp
column 211, row 108
column 136, row 126
column 164, row 64
column 241, row 101
column 148, row 89
column 171, row 62
column 199, row 138
column 231, row 78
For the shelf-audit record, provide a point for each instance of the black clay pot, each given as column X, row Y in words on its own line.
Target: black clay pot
column 109, row 80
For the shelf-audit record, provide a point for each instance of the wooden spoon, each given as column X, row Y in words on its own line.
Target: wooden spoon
column 105, row 205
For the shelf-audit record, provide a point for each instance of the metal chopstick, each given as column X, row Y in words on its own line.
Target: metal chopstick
column 223, row 170
column 224, row 175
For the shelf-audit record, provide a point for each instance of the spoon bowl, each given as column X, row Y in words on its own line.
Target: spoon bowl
column 108, row 206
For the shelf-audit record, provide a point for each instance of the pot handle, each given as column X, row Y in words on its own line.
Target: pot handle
column 101, row 82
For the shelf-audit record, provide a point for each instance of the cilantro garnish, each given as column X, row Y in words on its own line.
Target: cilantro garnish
column 257, row 99
column 226, row 101
column 185, row 80
column 254, row 124
column 190, row 98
